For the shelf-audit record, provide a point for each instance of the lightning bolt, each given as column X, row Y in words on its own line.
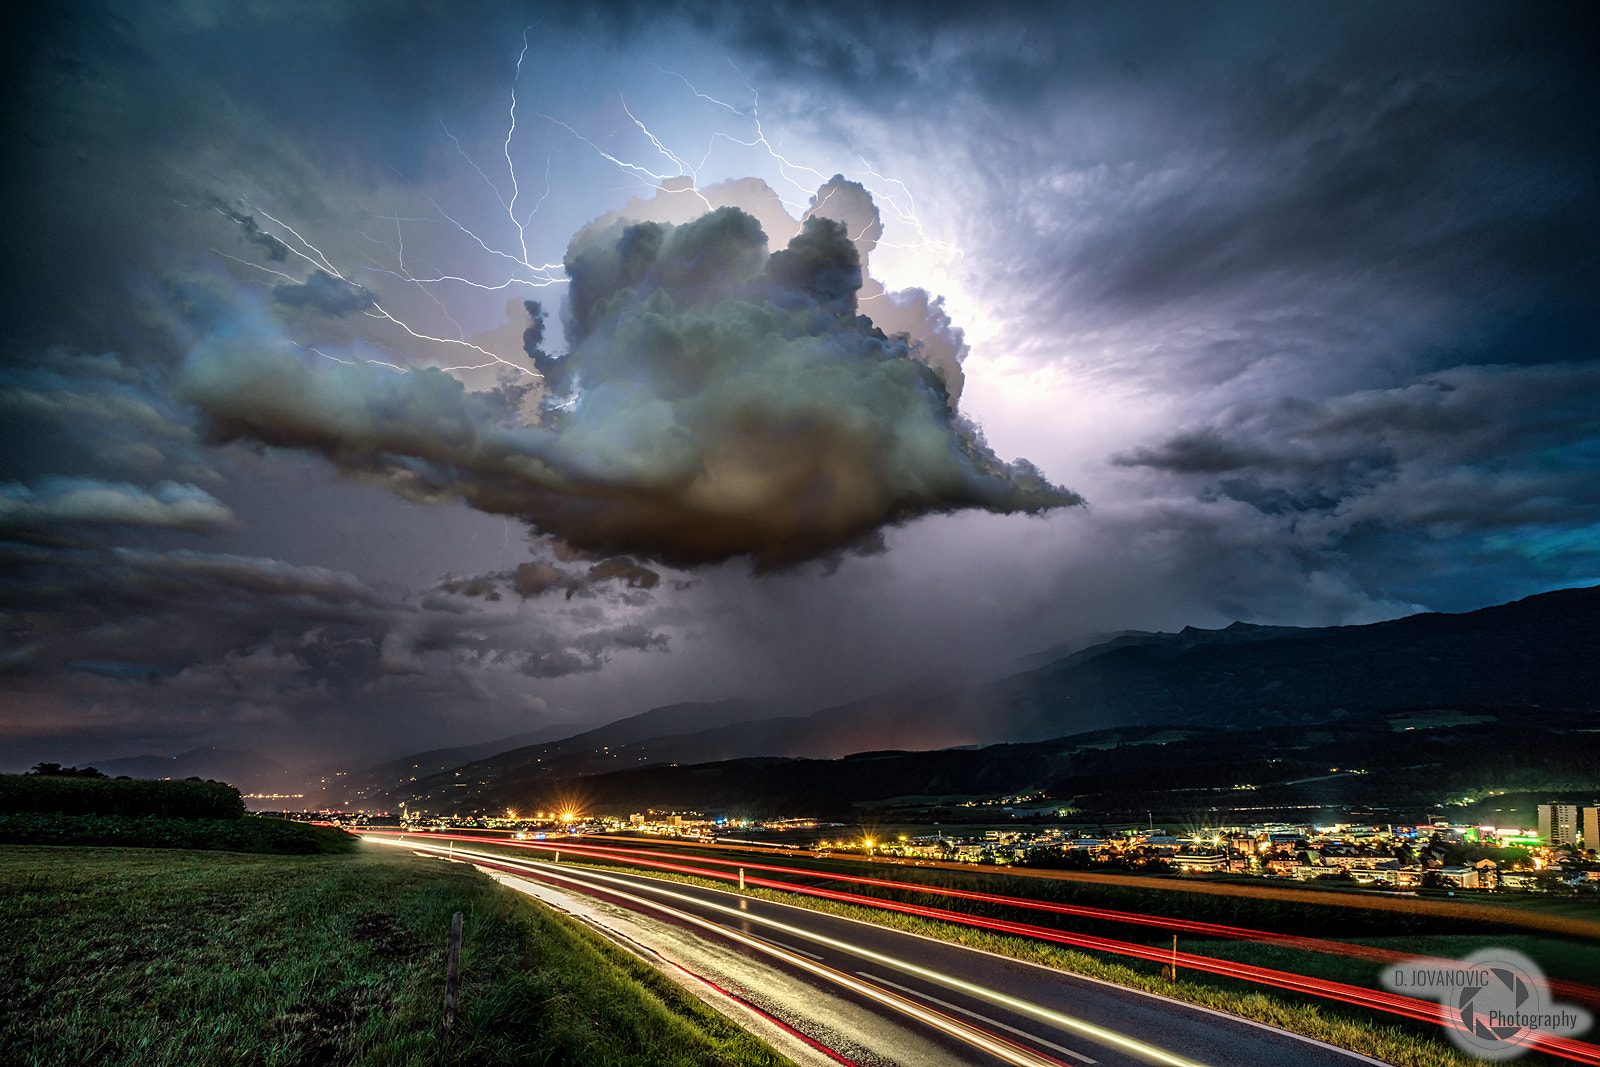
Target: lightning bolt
column 520, row 269
column 320, row 260
column 905, row 212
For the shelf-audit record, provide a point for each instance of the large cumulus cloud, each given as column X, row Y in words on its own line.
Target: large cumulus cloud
column 719, row 400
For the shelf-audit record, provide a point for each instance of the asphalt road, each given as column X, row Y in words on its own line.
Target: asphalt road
column 827, row 989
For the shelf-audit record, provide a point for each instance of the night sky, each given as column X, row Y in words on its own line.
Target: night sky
column 391, row 375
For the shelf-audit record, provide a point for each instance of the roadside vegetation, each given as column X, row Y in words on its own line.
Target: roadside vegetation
column 89, row 792
column 1401, row 1042
column 66, row 806
column 247, row 834
column 133, row 957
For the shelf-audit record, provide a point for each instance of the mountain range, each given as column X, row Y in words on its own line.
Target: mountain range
column 250, row 771
column 1538, row 654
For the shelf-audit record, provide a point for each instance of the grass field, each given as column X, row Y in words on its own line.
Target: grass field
column 158, row 957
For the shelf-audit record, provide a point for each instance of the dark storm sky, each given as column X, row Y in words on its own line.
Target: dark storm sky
column 1291, row 308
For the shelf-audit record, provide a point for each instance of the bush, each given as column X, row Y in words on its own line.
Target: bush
column 273, row 836
column 188, row 799
column 1056, row 858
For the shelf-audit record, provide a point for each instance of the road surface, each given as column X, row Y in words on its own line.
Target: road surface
column 826, row 990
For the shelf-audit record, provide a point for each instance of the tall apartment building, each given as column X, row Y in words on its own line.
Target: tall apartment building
column 1591, row 827
column 1558, row 824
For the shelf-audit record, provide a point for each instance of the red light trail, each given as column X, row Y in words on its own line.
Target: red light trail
column 1393, row 1003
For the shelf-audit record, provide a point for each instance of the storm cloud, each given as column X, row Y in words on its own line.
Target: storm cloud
column 58, row 502
column 1471, row 448
column 718, row 401
column 334, row 393
column 1475, row 475
column 324, row 293
column 316, row 642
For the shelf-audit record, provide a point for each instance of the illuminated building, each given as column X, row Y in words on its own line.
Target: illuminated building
column 1558, row 824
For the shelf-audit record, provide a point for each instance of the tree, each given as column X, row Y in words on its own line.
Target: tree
column 55, row 770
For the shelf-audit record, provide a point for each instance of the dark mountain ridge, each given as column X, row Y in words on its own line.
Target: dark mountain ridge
column 249, row 771
column 384, row 776
column 1542, row 651
column 650, row 736
column 1536, row 653
column 1193, row 774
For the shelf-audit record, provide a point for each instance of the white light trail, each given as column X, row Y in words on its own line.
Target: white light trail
column 1133, row 1046
column 947, row 1006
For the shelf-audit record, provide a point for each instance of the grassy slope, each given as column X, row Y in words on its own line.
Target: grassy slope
column 124, row 956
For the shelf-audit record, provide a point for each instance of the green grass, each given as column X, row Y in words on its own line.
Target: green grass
column 1401, row 1042
column 1556, row 958
column 131, row 957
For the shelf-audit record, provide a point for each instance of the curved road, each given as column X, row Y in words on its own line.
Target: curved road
column 826, row 989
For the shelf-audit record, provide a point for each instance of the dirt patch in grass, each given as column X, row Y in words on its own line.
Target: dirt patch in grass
column 385, row 936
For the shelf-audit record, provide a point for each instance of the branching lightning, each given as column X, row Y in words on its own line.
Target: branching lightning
column 906, row 212
column 524, row 272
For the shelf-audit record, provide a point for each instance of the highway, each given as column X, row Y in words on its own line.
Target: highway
column 829, row 990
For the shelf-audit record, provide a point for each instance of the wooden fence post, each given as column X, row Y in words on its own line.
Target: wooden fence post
column 452, row 975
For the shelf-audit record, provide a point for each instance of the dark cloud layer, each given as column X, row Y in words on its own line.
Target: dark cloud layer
column 324, row 293
column 1281, row 189
column 63, row 502
column 718, row 401
column 173, row 609
column 1475, row 475
column 276, row 250
column 1301, row 296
